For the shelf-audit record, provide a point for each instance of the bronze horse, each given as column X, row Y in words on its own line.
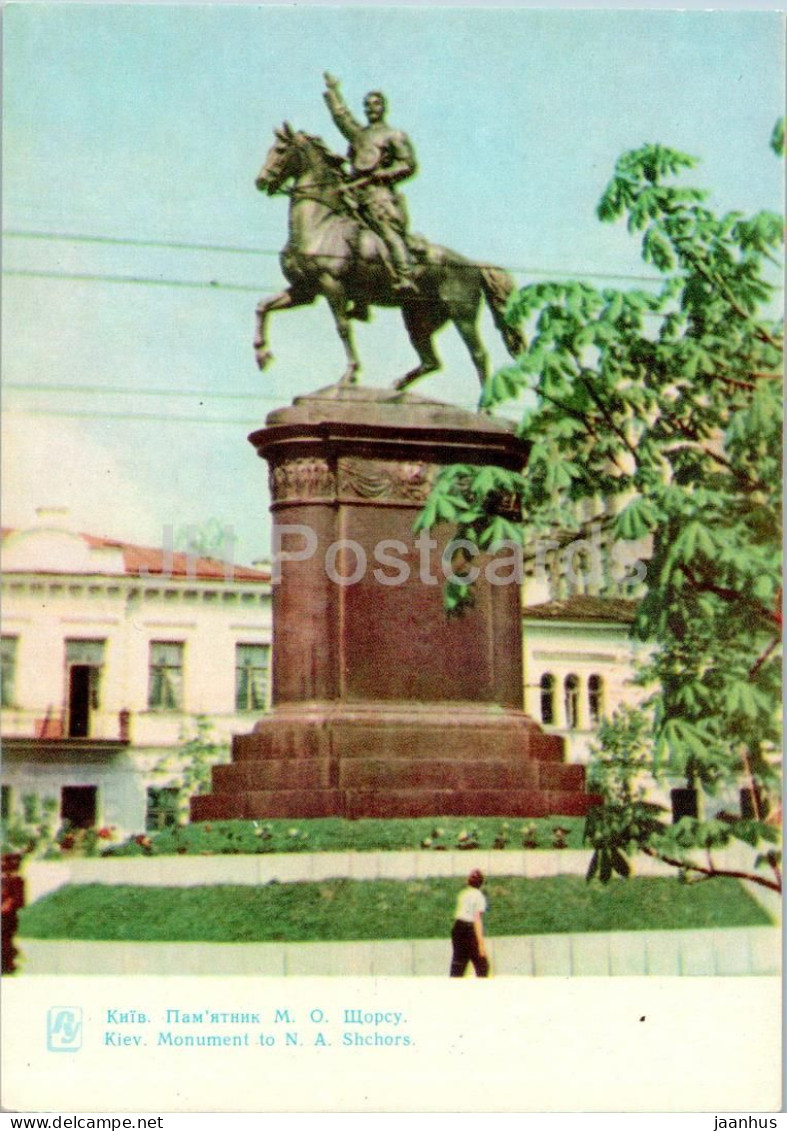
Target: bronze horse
column 331, row 252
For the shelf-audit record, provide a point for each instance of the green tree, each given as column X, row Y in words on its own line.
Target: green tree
column 668, row 400
column 209, row 539
column 188, row 767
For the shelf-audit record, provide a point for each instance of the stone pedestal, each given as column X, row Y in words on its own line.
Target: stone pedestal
column 383, row 705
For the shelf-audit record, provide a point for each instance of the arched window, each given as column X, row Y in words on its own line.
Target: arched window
column 547, row 686
column 571, row 694
column 595, row 698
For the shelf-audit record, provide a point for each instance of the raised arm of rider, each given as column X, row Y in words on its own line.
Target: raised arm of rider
column 342, row 116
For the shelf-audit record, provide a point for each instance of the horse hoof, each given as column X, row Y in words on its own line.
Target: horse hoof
column 264, row 357
column 407, row 380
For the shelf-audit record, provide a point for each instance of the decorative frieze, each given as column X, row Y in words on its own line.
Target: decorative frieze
column 302, row 480
column 313, row 480
column 385, row 480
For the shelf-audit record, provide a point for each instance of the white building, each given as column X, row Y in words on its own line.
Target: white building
column 110, row 653
column 579, row 605
column 579, row 660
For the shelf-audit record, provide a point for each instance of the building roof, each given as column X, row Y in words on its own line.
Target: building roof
column 581, row 607
column 138, row 561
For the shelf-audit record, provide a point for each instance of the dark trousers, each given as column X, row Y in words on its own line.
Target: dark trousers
column 465, row 943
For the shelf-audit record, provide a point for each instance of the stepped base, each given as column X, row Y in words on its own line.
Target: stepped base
column 394, row 760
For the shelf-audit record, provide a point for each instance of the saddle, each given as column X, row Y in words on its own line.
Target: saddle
column 417, row 245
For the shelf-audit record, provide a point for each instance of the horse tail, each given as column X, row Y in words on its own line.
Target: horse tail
column 498, row 287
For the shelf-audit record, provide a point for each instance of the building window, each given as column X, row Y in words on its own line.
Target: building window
column 166, row 676
column 571, row 693
column 84, row 663
column 252, row 662
column 547, row 686
column 8, row 670
column 78, row 805
column 162, row 811
column 595, row 698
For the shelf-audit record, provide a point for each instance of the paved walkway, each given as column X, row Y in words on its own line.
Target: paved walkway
column 731, row 951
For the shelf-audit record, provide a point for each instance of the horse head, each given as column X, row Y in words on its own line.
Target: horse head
column 294, row 153
column 281, row 162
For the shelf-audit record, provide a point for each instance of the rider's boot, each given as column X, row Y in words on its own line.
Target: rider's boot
column 401, row 266
column 404, row 284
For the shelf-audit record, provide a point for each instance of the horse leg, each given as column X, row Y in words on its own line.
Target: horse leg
column 285, row 300
column 466, row 321
column 337, row 300
column 421, row 321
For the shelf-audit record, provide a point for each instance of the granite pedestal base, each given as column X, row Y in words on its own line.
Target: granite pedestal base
column 393, row 761
column 383, row 705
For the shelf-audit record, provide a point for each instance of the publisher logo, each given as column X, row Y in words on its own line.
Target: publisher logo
column 64, row 1029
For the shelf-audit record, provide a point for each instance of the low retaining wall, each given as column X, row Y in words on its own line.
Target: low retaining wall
column 45, row 876
column 729, row 952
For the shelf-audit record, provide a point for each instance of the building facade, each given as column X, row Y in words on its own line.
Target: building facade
column 113, row 655
column 579, row 662
column 580, row 599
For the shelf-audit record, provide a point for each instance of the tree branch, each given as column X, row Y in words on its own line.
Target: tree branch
column 757, row 374
column 604, row 411
column 772, row 885
column 735, row 384
column 732, row 595
column 715, row 280
column 761, row 660
column 581, row 418
column 746, row 482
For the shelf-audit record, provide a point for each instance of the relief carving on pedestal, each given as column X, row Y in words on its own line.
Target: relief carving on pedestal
column 385, row 480
column 312, row 479
column 302, row 480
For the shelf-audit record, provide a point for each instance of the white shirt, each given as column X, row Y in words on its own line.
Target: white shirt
column 471, row 902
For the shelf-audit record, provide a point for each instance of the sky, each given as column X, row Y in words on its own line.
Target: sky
column 132, row 128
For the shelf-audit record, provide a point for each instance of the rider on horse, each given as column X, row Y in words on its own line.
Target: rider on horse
column 381, row 157
column 329, row 254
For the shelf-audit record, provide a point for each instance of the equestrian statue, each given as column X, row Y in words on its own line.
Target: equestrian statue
column 349, row 241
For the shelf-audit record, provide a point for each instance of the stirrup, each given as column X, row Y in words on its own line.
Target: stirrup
column 359, row 311
column 406, row 285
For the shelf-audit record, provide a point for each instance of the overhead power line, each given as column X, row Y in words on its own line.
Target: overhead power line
column 129, row 241
column 117, row 390
column 161, row 418
column 91, row 414
column 182, row 284
column 234, row 249
column 137, row 280
column 165, row 418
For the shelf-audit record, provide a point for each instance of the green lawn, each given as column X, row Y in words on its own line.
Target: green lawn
column 383, row 909
column 336, row 834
